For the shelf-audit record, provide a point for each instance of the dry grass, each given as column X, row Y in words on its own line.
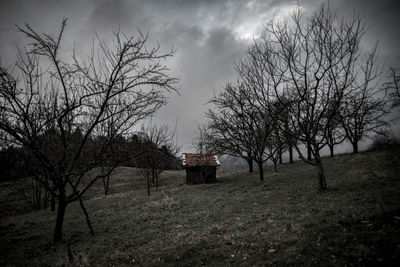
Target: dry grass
column 237, row 221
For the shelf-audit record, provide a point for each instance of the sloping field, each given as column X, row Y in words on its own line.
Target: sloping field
column 237, row 221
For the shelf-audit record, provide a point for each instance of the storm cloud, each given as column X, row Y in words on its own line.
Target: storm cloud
column 208, row 37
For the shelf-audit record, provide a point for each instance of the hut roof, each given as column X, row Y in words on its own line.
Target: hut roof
column 193, row 160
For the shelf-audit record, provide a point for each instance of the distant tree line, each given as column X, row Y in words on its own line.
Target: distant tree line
column 305, row 84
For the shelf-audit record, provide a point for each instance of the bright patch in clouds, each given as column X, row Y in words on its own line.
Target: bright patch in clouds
column 252, row 28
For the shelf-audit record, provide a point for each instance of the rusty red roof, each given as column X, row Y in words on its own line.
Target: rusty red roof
column 192, row 160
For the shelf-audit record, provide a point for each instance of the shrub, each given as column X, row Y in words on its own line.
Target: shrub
column 384, row 140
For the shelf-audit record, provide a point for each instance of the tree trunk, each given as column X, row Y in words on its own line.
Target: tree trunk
column 290, row 154
column 250, row 163
column 46, row 198
column 355, row 147
column 148, row 185
column 321, row 173
column 275, row 166
column 280, row 156
column 261, row 171
column 53, row 202
column 62, row 204
column 331, row 150
column 106, row 184
column 86, row 215
column 309, row 151
column 36, row 199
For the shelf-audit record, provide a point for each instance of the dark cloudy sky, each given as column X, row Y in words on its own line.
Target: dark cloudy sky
column 207, row 35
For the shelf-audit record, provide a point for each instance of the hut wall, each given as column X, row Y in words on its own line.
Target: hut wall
column 199, row 175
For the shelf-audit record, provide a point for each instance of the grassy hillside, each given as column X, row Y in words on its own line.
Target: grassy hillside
column 237, row 221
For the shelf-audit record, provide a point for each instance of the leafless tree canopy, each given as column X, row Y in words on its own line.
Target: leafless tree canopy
column 299, row 78
column 239, row 126
column 229, row 126
column 205, row 142
column 392, row 87
column 66, row 114
column 159, row 150
column 362, row 110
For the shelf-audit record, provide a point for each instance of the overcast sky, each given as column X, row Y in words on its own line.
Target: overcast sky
column 208, row 37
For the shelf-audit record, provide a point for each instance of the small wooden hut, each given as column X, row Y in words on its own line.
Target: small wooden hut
column 200, row 168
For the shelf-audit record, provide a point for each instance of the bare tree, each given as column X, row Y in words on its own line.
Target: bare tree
column 392, row 87
column 13, row 168
column 274, row 148
column 362, row 109
column 104, row 95
column 34, row 193
column 241, row 126
column 159, row 151
column 204, row 142
column 335, row 135
column 285, row 138
column 228, row 132
column 312, row 61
